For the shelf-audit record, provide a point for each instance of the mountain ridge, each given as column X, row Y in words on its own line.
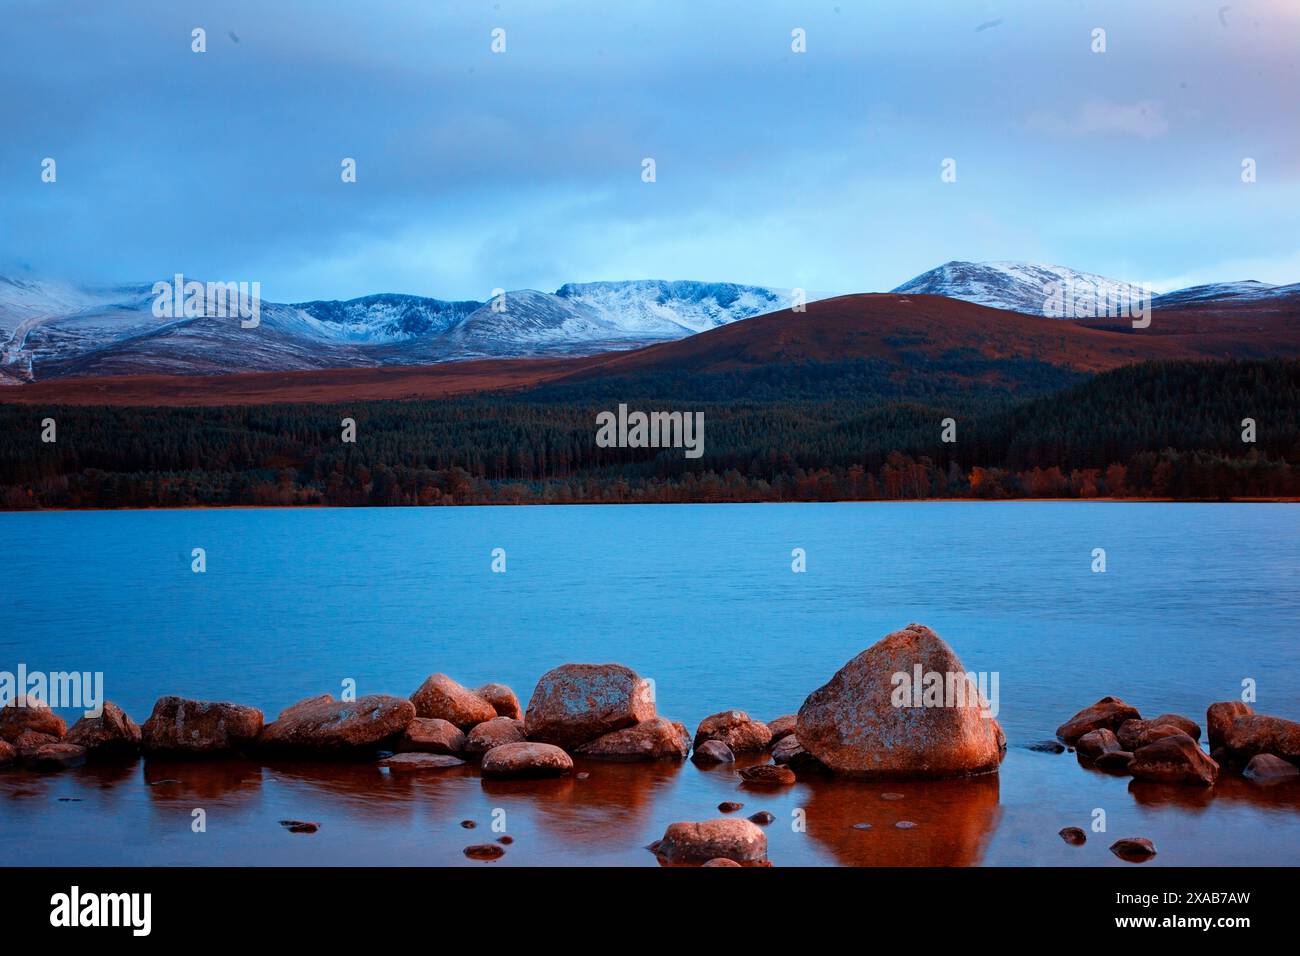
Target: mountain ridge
column 893, row 343
column 55, row 328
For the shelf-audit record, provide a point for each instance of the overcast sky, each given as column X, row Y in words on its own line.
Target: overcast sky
column 523, row 169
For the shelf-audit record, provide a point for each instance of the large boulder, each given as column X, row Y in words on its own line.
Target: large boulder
column 323, row 725
column 736, row 729
column 655, row 739
column 110, row 736
column 493, row 733
column 1258, row 734
column 526, row 760
column 8, row 753
column 181, row 727
column 852, row 724
column 1109, row 712
column 440, row 696
column 576, row 703
column 1219, row 717
column 728, row 838
column 502, row 699
column 29, row 713
column 431, row 735
column 1135, row 734
column 1174, row 759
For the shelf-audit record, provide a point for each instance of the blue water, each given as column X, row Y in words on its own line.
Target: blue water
column 701, row 598
column 1195, row 599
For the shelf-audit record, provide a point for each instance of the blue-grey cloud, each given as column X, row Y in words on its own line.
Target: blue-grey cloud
column 479, row 170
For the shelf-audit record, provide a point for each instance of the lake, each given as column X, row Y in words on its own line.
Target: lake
column 1195, row 599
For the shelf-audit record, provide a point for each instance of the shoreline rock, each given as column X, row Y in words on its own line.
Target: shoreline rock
column 712, row 753
column 736, row 729
column 57, row 756
column 1133, row 849
column 29, row 741
column 1073, row 836
column 441, row 697
column 526, row 760
column 853, row 725
column 1133, row 734
column 23, row 714
column 179, row 727
column 1219, row 718
column 782, row 727
column 407, row 762
column 789, row 752
column 573, row 704
column 1267, row 769
column 655, row 739
column 110, row 736
column 1254, row 734
column 1109, row 713
column 767, row 776
column 1097, row 742
column 485, row 851
column 1174, row 759
column 324, row 726
column 1114, row 761
column 502, row 699
column 431, row 735
column 1046, row 747
column 493, row 733
column 728, row 838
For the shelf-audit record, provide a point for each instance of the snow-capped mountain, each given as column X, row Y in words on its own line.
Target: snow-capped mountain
column 1247, row 291
column 532, row 323
column 387, row 317
column 1030, row 288
column 653, row 308
column 52, row 329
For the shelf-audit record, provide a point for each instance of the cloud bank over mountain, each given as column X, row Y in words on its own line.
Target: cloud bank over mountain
column 522, row 170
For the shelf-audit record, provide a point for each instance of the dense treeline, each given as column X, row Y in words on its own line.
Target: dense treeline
column 962, row 375
column 1153, row 430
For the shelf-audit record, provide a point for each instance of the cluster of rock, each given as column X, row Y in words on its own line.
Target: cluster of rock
column 851, row 726
column 32, row 734
column 1111, row 735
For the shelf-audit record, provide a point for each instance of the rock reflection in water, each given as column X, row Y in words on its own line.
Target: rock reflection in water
column 612, row 802
column 954, row 820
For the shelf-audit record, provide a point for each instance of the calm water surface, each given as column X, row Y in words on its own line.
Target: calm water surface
column 701, row 599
